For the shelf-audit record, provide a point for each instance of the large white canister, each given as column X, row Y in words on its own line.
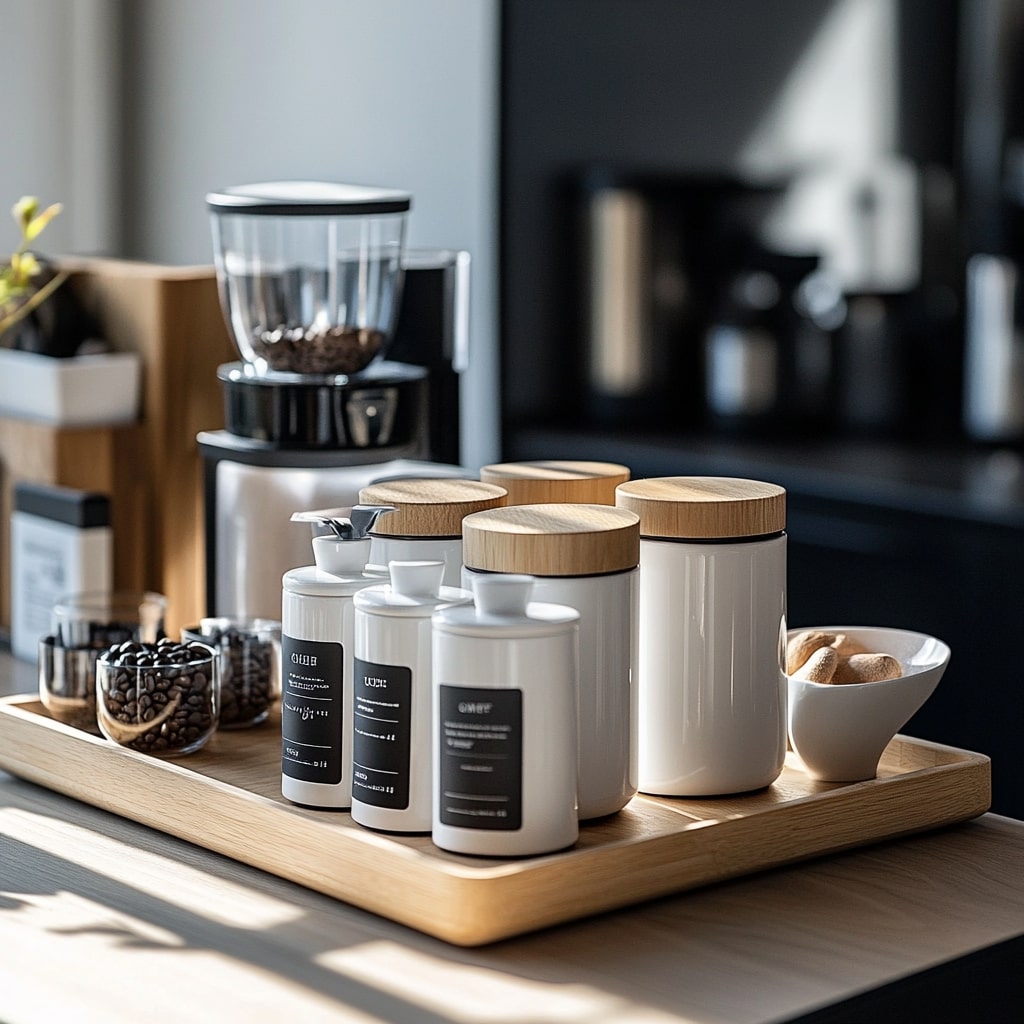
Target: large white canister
column 586, row 557
column 712, row 685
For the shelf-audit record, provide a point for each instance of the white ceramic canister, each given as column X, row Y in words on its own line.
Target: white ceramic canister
column 586, row 557
column 392, row 765
column 541, row 482
column 426, row 519
column 317, row 629
column 712, row 633
column 504, row 722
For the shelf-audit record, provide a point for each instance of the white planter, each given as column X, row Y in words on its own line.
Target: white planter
column 103, row 388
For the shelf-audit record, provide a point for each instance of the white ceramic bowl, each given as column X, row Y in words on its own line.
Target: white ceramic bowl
column 839, row 731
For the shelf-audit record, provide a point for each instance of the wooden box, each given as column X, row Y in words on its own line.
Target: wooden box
column 152, row 469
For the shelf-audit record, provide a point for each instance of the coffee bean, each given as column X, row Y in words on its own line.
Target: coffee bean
column 339, row 349
column 158, row 697
column 248, row 673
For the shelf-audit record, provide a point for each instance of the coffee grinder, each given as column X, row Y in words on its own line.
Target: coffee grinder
column 314, row 279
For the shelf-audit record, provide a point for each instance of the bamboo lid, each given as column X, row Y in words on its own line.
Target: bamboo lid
column 428, row 506
column 704, row 507
column 535, row 483
column 555, row 539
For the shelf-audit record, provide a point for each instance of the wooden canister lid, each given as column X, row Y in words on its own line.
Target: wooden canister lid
column 429, row 506
column 704, row 507
column 554, row 539
column 536, row 483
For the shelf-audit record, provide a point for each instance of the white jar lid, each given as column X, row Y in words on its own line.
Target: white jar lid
column 415, row 591
column 502, row 609
column 312, row 581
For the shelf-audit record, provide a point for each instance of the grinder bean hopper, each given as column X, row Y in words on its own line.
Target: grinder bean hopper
column 310, row 276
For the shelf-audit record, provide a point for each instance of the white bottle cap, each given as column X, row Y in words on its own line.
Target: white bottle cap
column 416, row 579
column 502, row 594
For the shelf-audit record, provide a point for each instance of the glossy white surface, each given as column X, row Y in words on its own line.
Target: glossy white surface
column 606, row 711
column 840, row 730
column 404, row 549
column 392, row 627
column 712, row 688
column 318, row 606
column 543, row 667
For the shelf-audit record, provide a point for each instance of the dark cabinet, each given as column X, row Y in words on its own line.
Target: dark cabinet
column 957, row 580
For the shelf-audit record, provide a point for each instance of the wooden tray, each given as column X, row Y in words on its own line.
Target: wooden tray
column 226, row 798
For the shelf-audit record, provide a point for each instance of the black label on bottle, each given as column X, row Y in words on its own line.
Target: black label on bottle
column 481, row 769
column 311, row 710
column 382, row 716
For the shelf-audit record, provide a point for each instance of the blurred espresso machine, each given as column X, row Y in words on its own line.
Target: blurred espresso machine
column 351, row 349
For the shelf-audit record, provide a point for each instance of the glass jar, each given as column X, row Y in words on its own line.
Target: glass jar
column 84, row 625
column 250, row 666
column 309, row 272
column 161, row 698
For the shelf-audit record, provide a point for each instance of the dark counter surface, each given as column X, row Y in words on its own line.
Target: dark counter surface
column 964, row 482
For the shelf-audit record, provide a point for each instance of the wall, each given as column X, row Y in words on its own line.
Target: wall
column 60, row 139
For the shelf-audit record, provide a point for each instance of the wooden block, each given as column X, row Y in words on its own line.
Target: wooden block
column 172, row 317
column 101, row 459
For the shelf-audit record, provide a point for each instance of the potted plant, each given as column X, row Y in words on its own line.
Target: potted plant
column 52, row 367
column 36, row 313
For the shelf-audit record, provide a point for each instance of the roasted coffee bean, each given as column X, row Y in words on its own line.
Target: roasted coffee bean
column 158, row 697
column 340, row 349
column 248, row 672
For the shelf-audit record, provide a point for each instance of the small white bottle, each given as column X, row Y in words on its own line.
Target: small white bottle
column 316, row 660
column 504, row 722
column 392, row 771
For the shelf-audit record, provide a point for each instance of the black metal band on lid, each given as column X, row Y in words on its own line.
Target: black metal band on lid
column 308, row 199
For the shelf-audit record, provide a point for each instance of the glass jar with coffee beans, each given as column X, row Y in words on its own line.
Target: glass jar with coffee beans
column 159, row 698
column 250, row 666
column 85, row 625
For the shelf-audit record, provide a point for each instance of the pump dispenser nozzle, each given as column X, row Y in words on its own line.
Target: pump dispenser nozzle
column 346, row 548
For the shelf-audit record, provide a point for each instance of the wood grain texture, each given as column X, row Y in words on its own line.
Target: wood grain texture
column 429, row 507
column 228, row 793
column 537, row 483
column 704, row 507
column 94, row 458
column 555, row 539
column 172, row 317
